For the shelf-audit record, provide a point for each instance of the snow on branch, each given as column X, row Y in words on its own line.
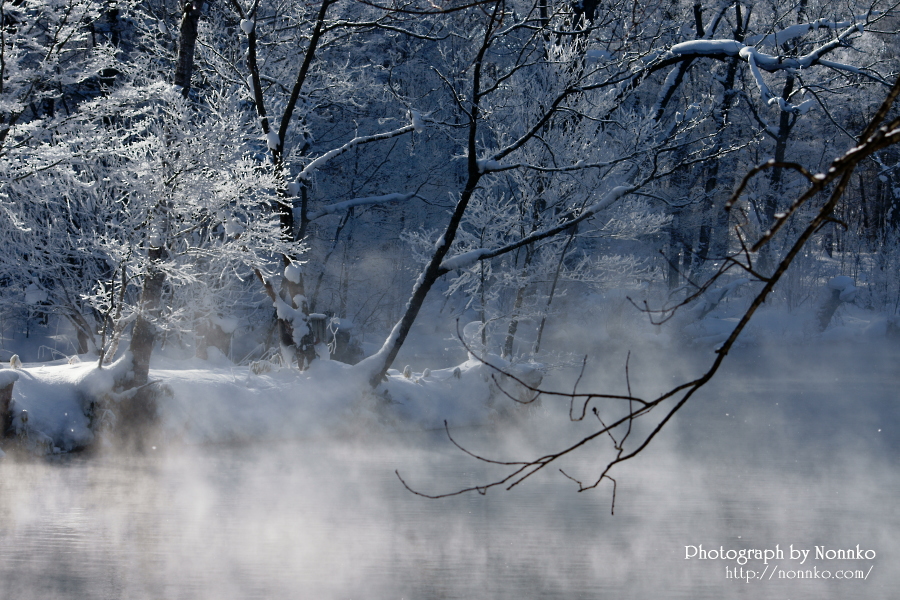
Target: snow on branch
column 342, row 206
column 758, row 61
column 795, row 31
column 851, row 69
column 486, row 165
column 749, row 54
column 707, row 48
column 461, row 261
column 309, row 169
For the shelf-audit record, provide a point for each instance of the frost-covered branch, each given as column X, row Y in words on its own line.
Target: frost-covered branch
column 309, row 169
column 756, row 60
column 876, row 137
column 368, row 201
column 469, row 258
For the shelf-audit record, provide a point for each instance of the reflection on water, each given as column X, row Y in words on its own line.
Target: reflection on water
column 751, row 464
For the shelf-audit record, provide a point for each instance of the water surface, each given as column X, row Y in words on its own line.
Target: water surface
column 769, row 457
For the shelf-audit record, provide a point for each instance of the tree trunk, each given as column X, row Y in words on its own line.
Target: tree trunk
column 7, row 380
column 714, row 230
column 559, row 266
column 184, row 65
column 144, row 334
column 381, row 361
column 293, row 346
column 770, row 208
column 514, row 323
column 520, row 293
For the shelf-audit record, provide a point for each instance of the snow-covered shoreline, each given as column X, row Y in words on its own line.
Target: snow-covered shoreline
column 216, row 401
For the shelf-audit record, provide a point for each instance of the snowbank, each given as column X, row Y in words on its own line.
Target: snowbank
column 48, row 410
column 215, row 401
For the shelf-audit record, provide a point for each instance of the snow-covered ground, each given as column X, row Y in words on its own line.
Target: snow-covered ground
column 214, row 400
column 208, row 401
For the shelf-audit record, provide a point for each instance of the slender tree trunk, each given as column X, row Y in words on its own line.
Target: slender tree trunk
column 714, row 229
column 559, row 266
column 786, row 123
column 514, row 322
column 380, row 362
column 384, row 358
column 7, row 380
column 520, row 293
column 187, row 42
column 293, row 346
column 144, row 333
column 770, row 208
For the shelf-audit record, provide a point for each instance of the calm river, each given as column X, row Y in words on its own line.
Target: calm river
column 792, row 460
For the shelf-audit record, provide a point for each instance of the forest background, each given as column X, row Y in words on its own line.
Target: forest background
column 268, row 181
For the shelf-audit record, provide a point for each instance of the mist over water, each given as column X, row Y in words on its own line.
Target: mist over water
column 783, row 448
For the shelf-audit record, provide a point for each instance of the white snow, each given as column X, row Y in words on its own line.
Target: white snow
column 799, row 30
column 7, row 376
column 48, row 406
column 757, row 60
column 486, row 165
column 233, row 227
column 845, row 285
column 215, row 401
column 418, row 122
column 729, row 47
column 285, row 311
column 752, row 57
column 228, row 325
column 272, row 140
column 247, row 26
column 461, row 261
column 293, row 273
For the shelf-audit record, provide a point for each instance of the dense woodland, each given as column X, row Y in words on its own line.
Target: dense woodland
column 180, row 173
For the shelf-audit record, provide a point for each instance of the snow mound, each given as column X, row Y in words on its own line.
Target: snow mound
column 48, row 407
column 845, row 286
column 468, row 394
column 8, row 376
column 215, row 401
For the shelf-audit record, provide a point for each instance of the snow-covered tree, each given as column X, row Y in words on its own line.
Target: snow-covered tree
column 301, row 139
